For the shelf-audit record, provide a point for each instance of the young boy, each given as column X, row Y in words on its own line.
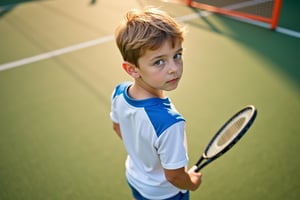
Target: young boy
column 150, row 127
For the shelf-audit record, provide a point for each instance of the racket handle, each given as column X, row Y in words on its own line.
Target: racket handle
column 198, row 169
column 197, row 166
column 193, row 169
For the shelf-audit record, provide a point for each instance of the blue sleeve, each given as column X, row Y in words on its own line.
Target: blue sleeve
column 162, row 117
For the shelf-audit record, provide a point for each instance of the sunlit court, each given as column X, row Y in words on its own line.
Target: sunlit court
column 59, row 65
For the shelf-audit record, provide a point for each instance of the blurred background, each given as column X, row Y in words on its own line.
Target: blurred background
column 59, row 65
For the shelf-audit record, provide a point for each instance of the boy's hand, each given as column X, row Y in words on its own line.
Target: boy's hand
column 183, row 179
column 192, row 169
column 196, row 177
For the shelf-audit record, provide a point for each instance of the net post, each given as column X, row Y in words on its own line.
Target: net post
column 275, row 14
column 189, row 2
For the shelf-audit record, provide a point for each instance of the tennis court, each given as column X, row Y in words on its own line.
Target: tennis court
column 59, row 64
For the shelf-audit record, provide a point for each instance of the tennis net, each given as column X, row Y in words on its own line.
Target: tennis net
column 266, row 11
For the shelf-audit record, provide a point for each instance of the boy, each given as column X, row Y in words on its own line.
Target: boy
column 151, row 129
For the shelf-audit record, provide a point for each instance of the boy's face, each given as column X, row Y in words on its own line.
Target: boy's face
column 161, row 69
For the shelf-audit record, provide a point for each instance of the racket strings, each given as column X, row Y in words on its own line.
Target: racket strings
column 231, row 131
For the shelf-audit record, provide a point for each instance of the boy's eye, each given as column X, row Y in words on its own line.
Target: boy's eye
column 162, row 61
column 178, row 56
column 159, row 62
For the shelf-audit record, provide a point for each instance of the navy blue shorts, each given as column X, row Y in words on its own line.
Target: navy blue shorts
column 179, row 196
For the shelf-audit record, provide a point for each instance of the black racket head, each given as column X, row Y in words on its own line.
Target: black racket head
column 230, row 132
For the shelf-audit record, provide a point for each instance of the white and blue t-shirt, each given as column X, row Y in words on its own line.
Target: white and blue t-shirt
column 153, row 133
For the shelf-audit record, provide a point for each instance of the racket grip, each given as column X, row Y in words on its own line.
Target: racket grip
column 193, row 169
column 197, row 169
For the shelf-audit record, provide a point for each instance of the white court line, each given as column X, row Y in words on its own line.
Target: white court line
column 288, row 32
column 109, row 38
column 55, row 53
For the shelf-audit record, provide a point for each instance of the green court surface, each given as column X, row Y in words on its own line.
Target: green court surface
column 56, row 137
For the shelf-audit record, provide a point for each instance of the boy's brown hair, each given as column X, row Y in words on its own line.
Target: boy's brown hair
column 143, row 30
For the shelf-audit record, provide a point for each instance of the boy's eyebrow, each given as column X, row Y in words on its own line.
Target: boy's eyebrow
column 180, row 49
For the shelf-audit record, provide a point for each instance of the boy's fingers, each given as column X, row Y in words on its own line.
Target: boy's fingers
column 192, row 169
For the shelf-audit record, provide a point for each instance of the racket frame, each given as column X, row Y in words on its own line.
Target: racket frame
column 242, row 132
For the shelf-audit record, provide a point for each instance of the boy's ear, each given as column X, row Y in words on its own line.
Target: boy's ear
column 131, row 69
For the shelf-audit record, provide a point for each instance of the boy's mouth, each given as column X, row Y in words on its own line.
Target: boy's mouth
column 174, row 80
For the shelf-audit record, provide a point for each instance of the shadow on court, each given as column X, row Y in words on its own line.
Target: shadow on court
column 271, row 45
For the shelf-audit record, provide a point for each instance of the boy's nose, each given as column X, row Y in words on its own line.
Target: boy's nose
column 173, row 67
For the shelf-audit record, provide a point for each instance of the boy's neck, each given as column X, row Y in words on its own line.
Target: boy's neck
column 143, row 91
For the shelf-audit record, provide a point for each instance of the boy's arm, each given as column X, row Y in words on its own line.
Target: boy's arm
column 116, row 128
column 183, row 179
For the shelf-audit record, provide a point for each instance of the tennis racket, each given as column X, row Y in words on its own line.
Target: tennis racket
column 227, row 136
